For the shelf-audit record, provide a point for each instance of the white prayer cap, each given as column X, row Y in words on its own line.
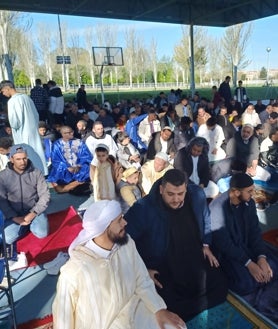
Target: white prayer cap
column 96, row 219
column 104, row 146
column 162, row 155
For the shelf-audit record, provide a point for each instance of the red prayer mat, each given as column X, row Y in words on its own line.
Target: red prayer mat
column 271, row 236
column 45, row 323
column 64, row 227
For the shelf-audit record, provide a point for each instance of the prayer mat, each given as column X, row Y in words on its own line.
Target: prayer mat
column 64, row 226
column 271, row 236
column 46, row 323
column 235, row 313
column 222, row 316
column 257, row 319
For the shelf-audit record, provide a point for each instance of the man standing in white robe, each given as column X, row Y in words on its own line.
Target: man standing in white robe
column 24, row 119
column 105, row 284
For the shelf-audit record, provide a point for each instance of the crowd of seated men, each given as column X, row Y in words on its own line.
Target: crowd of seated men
column 123, row 151
column 136, row 130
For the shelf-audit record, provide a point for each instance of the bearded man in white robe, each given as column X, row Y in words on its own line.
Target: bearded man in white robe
column 105, row 284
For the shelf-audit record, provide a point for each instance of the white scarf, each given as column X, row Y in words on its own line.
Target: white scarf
column 96, row 219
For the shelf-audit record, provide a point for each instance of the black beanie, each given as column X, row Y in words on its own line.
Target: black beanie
column 241, row 180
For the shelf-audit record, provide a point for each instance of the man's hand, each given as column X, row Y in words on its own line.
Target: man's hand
column 20, row 220
column 74, row 170
column 264, row 266
column 29, row 217
column 211, row 258
column 134, row 157
column 172, row 155
column 214, row 151
column 256, row 272
column 165, row 317
column 152, row 274
column 251, row 171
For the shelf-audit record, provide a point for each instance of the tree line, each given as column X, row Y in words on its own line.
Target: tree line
column 25, row 56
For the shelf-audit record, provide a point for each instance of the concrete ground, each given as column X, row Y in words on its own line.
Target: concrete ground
column 61, row 201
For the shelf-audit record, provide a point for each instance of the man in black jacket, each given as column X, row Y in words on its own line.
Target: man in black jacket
column 162, row 141
column 250, row 265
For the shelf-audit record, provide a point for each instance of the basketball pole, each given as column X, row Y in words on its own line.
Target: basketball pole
column 101, row 84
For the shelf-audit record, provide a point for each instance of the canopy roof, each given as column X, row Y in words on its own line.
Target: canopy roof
column 219, row 13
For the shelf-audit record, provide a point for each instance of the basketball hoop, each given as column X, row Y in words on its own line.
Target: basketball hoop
column 107, row 56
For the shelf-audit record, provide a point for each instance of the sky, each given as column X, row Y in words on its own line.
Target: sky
column 264, row 35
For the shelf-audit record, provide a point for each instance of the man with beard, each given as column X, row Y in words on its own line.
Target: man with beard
column 244, row 146
column 24, row 197
column 251, row 265
column 105, row 283
column 98, row 136
column 70, row 158
column 171, row 229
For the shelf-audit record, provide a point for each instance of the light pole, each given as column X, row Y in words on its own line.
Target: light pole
column 268, row 49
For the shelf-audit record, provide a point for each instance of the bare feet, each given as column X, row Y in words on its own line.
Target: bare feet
column 71, row 186
column 66, row 188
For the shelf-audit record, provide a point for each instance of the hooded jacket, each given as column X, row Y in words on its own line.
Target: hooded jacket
column 148, row 225
column 23, row 193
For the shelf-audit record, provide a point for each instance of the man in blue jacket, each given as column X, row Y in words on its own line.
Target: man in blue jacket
column 171, row 229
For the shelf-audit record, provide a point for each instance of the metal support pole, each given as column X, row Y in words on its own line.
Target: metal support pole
column 268, row 49
column 101, row 85
column 63, row 54
column 192, row 74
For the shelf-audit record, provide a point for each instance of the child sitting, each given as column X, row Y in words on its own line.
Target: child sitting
column 127, row 154
column 129, row 189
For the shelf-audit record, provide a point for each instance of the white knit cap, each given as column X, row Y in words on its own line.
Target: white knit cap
column 95, row 221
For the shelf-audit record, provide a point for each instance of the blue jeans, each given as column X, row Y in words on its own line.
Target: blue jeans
column 39, row 227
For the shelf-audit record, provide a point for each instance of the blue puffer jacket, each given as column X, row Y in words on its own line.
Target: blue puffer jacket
column 132, row 130
column 148, row 224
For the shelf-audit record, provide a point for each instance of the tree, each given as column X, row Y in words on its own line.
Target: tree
column 89, row 43
column 200, row 58
column 45, row 49
column 235, row 41
column 130, row 52
column 76, row 56
column 21, row 79
column 8, row 20
column 153, row 56
column 215, row 60
column 263, row 73
column 182, row 50
column 27, row 56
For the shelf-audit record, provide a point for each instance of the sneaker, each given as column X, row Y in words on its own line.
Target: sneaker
column 4, row 284
column 20, row 263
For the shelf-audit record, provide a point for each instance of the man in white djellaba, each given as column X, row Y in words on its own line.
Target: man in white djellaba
column 105, row 284
column 24, row 119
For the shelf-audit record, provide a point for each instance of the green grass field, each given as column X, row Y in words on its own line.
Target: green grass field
column 113, row 97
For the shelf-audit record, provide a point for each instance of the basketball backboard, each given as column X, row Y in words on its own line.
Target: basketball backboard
column 108, row 56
